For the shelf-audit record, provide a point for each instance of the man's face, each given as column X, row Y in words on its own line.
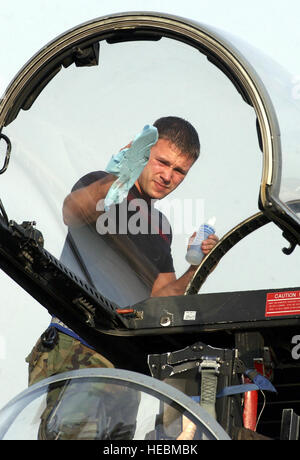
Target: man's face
column 165, row 170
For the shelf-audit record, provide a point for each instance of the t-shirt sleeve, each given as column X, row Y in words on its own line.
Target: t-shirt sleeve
column 167, row 265
column 88, row 179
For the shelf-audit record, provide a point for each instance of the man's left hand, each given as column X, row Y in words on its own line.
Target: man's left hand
column 209, row 244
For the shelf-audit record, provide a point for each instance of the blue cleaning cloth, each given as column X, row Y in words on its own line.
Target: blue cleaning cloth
column 128, row 165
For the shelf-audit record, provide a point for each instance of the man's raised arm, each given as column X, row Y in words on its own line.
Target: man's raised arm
column 79, row 207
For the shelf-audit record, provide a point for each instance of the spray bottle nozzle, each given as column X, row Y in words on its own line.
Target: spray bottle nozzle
column 212, row 221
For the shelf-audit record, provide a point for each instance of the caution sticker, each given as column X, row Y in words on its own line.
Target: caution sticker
column 283, row 303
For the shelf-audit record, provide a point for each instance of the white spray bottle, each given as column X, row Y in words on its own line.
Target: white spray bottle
column 194, row 254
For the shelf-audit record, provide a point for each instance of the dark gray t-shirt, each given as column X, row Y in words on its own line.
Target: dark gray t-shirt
column 122, row 266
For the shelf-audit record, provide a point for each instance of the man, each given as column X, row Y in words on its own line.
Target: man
column 171, row 158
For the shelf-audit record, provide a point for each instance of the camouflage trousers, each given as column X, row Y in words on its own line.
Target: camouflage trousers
column 80, row 408
column 67, row 355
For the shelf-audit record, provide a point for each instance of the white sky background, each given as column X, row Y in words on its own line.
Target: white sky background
column 272, row 26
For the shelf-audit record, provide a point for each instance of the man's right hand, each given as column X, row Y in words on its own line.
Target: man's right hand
column 129, row 163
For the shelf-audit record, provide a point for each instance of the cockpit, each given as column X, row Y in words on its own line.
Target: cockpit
column 82, row 99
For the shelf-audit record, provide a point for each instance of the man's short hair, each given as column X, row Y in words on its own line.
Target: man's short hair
column 181, row 133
